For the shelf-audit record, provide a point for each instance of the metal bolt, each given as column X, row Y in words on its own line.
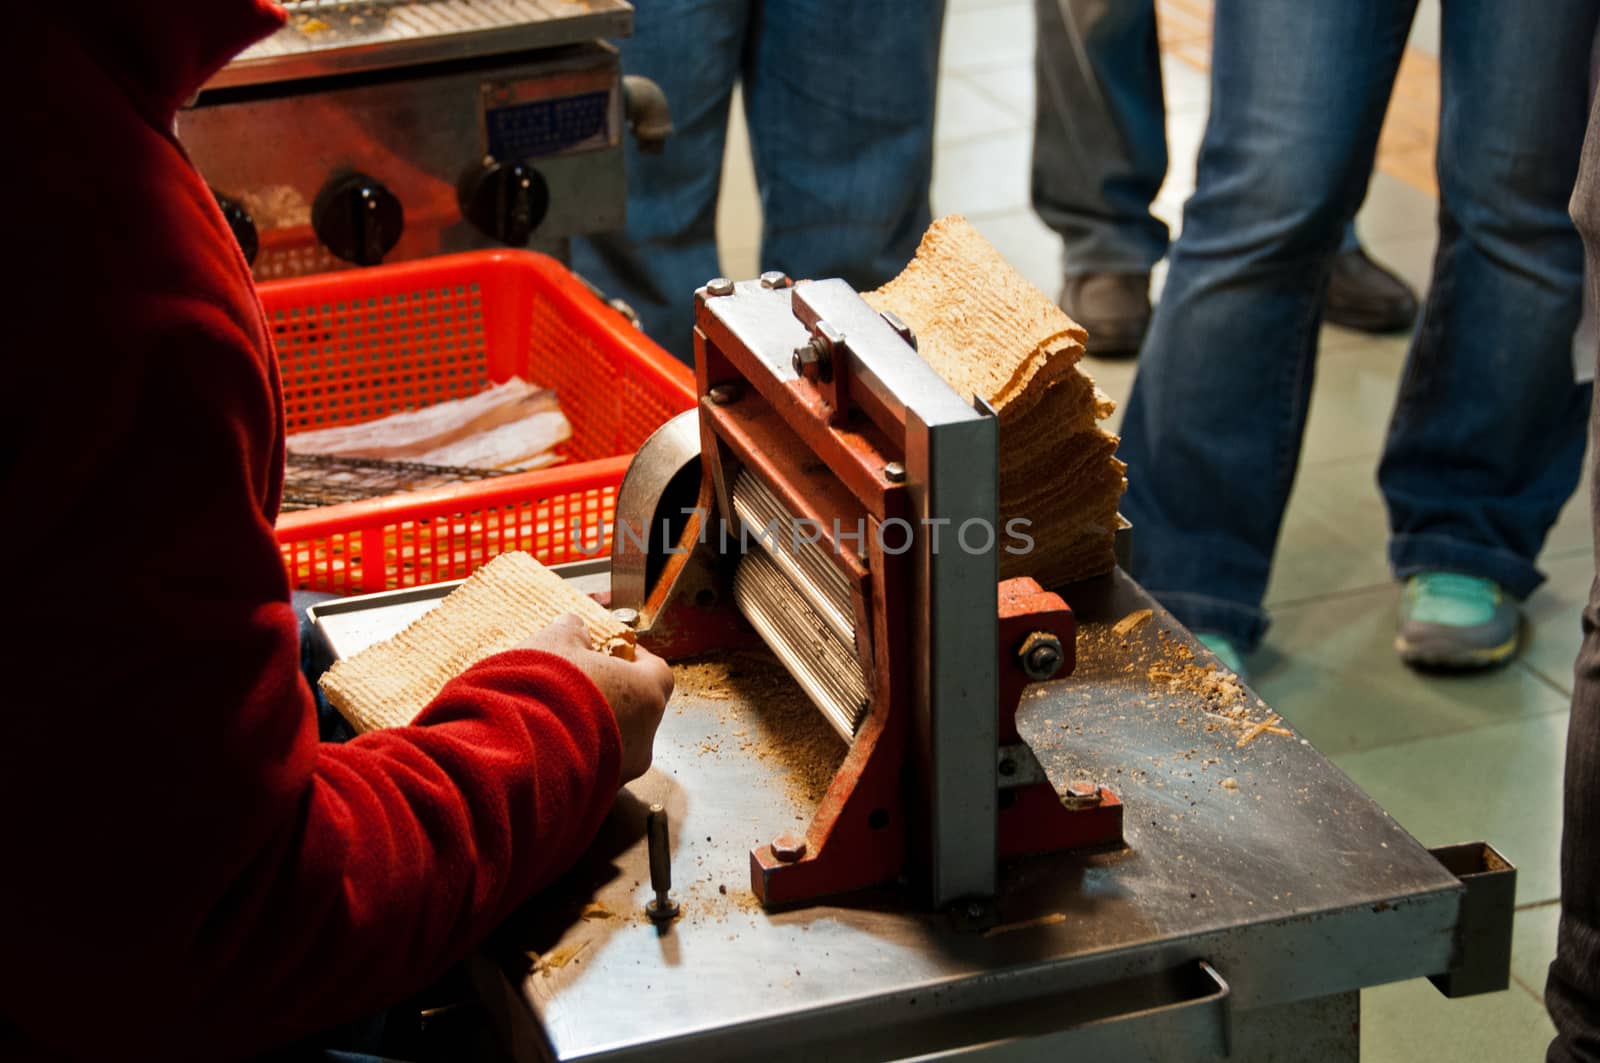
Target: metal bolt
column 1081, row 794
column 789, row 847
column 975, row 910
column 894, row 472
column 813, row 359
column 663, row 908
column 898, row 324
column 805, row 363
column 1008, row 767
column 625, row 616
column 1041, row 655
column 775, row 278
column 723, row 394
column 719, row 286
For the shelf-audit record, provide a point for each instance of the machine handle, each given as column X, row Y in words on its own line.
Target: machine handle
column 1136, row 1018
column 648, row 115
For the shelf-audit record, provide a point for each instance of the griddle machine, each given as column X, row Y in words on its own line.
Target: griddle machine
column 1033, row 836
column 367, row 131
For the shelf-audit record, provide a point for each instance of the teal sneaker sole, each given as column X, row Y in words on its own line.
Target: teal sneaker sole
column 1448, row 654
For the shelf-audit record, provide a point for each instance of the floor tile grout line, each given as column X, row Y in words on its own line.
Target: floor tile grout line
column 1546, row 680
column 1537, row 995
column 1528, row 906
column 1327, row 596
column 1509, row 721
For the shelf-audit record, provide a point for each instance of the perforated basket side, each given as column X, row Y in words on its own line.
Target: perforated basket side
column 448, row 533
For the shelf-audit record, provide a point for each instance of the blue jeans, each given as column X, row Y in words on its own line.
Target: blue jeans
column 838, row 96
column 1100, row 134
column 1486, row 436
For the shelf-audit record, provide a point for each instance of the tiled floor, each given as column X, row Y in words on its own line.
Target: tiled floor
column 1452, row 759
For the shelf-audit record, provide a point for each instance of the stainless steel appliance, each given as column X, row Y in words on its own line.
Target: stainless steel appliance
column 382, row 130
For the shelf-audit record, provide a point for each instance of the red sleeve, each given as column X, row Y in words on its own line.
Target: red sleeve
column 189, row 874
column 195, row 867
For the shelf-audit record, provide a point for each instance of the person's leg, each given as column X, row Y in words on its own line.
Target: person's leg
column 1099, row 157
column 669, row 248
column 1572, row 992
column 839, row 99
column 1487, row 435
column 1099, row 135
column 1213, row 429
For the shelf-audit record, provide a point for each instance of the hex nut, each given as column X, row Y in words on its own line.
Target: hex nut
column 1041, row 655
column 789, row 847
column 719, row 286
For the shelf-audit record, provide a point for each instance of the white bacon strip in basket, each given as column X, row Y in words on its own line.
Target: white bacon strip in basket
column 514, row 425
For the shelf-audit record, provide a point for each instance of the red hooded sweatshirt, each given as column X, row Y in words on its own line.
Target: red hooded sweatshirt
column 186, row 871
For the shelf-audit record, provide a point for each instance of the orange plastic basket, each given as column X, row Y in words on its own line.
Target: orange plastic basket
column 356, row 345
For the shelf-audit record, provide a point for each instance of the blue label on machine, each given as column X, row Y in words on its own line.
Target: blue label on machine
column 546, row 127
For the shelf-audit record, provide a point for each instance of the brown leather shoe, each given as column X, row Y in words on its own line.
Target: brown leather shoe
column 1368, row 297
column 1113, row 307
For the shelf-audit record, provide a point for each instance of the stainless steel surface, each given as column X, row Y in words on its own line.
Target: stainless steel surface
column 825, row 666
column 671, row 455
column 1290, row 882
column 419, row 134
column 325, row 38
column 1138, row 1018
column 352, row 624
column 952, row 472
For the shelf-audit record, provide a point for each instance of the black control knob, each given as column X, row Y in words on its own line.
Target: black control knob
column 505, row 200
column 358, row 219
column 242, row 224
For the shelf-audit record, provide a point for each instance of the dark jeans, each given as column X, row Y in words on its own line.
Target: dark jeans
column 1573, row 990
column 1100, row 133
column 1486, row 438
column 838, row 98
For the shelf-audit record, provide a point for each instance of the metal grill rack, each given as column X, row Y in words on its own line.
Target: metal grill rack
column 327, row 37
column 314, row 480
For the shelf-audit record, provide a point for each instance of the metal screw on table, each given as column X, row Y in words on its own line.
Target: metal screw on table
column 663, row 908
column 626, row 617
column 1042, row 655
column 789, row 847
column 894, row 472
column 719, row 286
column 723, row 394
column 774, row 278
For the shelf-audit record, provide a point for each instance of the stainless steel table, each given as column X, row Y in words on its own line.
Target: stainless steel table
column 1260, row 890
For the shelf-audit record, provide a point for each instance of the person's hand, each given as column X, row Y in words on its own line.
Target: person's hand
column 636, row 690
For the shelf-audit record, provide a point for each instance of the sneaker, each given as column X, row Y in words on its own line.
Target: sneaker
column 1448, row 620
column 1365, row 296
column 1226, row 652
column 1114, row 308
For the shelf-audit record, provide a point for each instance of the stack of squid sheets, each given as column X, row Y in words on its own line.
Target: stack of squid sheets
column 993, row 335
